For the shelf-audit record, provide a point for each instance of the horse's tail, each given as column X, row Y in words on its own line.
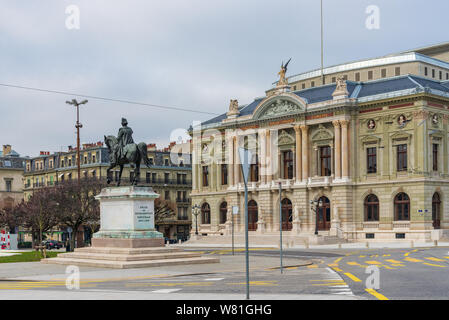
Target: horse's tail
column 142, row 147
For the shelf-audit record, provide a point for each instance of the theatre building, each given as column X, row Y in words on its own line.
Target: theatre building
column 362, row 157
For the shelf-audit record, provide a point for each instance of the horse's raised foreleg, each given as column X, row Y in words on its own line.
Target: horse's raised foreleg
column 120, row 175
column 137, row 174
column 108, row 171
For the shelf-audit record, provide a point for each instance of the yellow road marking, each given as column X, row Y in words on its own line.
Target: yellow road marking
column 398, row 265
column 412, row 259
column 352, row 277
column 312, row 266
column 434, row 259
column 376, row 294
column 330, row 284
column 434, row 265
column 373, row 262
column 362, row 256
column 387, row 267
column 337, row 269
column 386, row 255
column 393, row 261
column 338, row 260
column 256, row 283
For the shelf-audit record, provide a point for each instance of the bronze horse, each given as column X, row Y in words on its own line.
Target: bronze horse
column 133, row 154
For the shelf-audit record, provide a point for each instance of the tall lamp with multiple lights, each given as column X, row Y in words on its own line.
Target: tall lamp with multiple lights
column 78, row 125
column 196, row 211
column 315, row 205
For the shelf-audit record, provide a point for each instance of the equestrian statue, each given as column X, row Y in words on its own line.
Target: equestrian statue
column 123, row 150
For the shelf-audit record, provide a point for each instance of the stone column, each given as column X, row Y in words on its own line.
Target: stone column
column 262, row 159
column 345, row 148
column 298, row 156
column 236, row 161
column 337, row 129
column 305, row 152
column 269, row 158
column 230, row 161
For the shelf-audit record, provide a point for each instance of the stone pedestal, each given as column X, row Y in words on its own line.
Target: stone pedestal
column 127, row 218
column 127, row 237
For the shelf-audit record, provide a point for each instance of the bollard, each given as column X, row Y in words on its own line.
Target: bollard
column 435, row 243
column 367, row 244
column 412, row 244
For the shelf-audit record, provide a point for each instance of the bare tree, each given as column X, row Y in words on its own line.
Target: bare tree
column 77, row 204
column 163, row 210
column 39, row 213
column 12, row 217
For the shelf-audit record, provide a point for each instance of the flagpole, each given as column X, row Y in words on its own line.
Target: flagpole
column 322, row 50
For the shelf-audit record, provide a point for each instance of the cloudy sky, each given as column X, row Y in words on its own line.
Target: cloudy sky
column 195, row 54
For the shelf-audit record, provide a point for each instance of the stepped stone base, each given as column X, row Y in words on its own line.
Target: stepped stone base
column 127, row 243
column 123, row 258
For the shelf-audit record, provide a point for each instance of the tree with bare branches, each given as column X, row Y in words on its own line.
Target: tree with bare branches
column 77, row 204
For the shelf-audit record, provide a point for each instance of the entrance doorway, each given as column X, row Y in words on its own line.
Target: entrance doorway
column 324, row 214
column 253, row 215
column 287, row 215
column 436, row 208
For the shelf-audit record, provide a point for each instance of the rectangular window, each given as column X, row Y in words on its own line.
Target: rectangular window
column 312, row 84
column 224, row 174
column 131, row 176
column 303, row 85
column 205, row 176
column 93, row 158
column 294, row 88
column 397, row 71
column 435, row 157
column 370, row 75
column 433, row 73
column 288, row 164
column 166, row 162
column 345, row 77
column 325, row 161
column 167, row 195
column 153, row 177
column 254, row 172
column 402, row 157
column 441, row 75
column 371, row 154
column 357, row 76
column 151, row 161
column 8, row 185
column 334, row 79
column 383, row 73
column 426, row 71
column 447, row 76
column 166, row 177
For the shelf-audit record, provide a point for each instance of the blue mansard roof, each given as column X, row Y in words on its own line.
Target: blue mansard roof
column 361, row 91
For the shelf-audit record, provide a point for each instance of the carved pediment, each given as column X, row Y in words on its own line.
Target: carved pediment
column 370, row 140
column 322, row 134
column 285, row 138
column 280, row 107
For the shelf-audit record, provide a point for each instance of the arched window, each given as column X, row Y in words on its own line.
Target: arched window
column 253, row 215
column 223, row 212
column 287, row 216
column 436, row 209
column 402, row 207
column 205, row 213
column 371, row 208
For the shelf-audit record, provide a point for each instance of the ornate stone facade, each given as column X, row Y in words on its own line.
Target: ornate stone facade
column 376, row 163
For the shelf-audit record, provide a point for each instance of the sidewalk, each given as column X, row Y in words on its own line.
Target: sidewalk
column 351, row 245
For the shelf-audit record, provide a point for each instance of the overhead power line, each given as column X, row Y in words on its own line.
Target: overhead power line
column 109, row 99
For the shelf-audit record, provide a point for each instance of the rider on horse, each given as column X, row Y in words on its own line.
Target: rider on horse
column 124, row 137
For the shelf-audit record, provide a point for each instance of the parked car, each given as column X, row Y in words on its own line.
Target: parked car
column 52, row 244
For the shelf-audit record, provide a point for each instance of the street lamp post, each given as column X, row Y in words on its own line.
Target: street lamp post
column 78, row 125
column 314, row 206
column 196, row 212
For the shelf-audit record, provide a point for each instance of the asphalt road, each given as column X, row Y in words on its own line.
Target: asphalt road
column 331, row 274
column 402, row 273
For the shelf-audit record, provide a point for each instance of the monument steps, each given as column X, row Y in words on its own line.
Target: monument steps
column 129, row 264
column 129, row 257
column 132, row 251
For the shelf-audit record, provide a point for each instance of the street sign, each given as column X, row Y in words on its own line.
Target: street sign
column 69, row 230
column 245, row 159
